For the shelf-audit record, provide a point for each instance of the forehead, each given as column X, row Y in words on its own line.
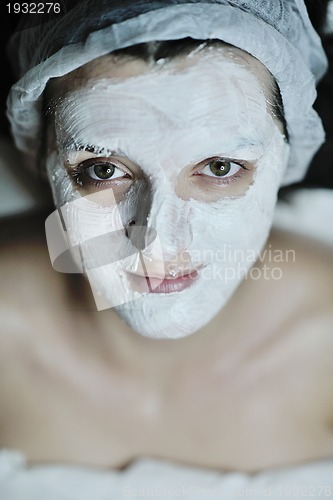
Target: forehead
column 123, row 67
column 212, row 102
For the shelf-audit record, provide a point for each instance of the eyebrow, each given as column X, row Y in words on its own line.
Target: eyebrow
column 243, row 143
column 71, row 145
column 236, row 149
column 247, row 142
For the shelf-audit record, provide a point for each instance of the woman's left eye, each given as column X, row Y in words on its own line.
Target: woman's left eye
column 104, row 171
column 221, row 168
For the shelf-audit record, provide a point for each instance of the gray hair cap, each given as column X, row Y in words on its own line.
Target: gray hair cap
column 276, row 32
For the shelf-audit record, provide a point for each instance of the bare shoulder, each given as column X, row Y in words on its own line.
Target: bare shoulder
column 293, row 300
column 33, row 297
column 294, row 277
column 307, row 266
column 308, row 283
column 26, row 272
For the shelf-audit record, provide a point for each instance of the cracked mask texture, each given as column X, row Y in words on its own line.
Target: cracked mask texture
column 164, row 122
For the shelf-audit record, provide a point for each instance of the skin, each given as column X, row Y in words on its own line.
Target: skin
column 163, row 141
column 109, row 395
column 249, row 391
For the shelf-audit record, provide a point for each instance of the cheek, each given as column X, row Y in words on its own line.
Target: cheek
column 244, row 221
column 61, row 184
column 208, row 189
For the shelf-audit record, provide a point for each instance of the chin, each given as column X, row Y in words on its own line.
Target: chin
column 174, row 315
column 170, row 310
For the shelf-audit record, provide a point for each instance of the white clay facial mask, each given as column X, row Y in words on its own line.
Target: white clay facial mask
column 177, row 165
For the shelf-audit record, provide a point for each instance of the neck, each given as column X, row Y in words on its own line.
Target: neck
column 226, row 339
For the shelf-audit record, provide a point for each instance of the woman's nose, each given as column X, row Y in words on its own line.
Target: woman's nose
column 170, row 218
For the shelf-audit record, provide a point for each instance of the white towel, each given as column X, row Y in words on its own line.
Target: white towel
column 155, row 478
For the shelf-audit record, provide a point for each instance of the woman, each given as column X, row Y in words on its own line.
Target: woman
column 165, row 160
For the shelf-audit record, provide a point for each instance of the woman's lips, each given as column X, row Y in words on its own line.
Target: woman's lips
column 157, row 285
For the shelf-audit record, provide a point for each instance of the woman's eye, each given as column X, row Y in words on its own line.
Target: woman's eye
column 104, row 171
column 97, row 173
column 221, row 168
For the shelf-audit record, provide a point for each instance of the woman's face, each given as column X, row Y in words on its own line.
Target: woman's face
column 167, row 179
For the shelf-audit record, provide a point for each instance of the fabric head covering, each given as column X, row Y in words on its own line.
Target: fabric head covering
column 277, row 32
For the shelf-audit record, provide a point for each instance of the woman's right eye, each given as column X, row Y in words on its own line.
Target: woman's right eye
column 97, row 172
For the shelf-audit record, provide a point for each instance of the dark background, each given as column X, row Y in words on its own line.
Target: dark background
column 320, row 173
column 7, row 26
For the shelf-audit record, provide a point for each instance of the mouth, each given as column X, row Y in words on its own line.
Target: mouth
column 152, row 284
